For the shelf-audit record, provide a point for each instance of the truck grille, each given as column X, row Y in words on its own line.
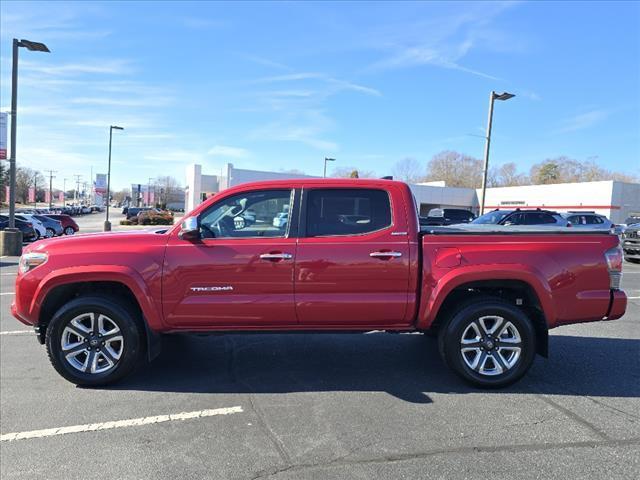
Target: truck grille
column 631, row 234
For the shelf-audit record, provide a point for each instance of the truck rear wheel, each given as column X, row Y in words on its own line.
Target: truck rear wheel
column 94, row 340
column 489, row 343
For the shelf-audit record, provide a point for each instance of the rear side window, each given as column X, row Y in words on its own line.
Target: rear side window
column 538, row 218
column 594, row 220
column 347, row 211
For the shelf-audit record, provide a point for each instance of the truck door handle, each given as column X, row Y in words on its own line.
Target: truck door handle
column 385, row 254
column 274, row 257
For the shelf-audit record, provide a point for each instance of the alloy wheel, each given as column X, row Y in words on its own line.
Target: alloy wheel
column 491, row 345
column 92, row 343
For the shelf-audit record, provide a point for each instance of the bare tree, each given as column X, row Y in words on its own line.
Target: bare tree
column 347, row 172
column 456, row 169
column 564, row 170
column 408, row 170
column 27, row 178
column 167, row 189
column 507, row 175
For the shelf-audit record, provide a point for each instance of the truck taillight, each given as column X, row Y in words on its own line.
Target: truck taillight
column 614, row 265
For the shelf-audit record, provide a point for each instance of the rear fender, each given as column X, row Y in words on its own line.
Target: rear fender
column 434, row 298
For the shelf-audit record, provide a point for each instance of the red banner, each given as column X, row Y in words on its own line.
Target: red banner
column 6, row 193
column 61, row 197
column 32, row 195
column 47, row 196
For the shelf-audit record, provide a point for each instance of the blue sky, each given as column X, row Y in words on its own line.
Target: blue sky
column 279, row 86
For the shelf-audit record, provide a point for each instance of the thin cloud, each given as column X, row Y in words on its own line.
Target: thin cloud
column 123, row 102
column 227, row 151
column 110, row 67
column 442, row 42
column 583, row 121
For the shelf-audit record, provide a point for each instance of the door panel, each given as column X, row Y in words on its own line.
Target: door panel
column 224, row 282
column 240, row 272
column 359, row 279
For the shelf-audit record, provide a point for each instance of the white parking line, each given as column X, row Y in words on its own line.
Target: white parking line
column 8, row 293
column 18, row 332
column 15, row 273
column 132, row 422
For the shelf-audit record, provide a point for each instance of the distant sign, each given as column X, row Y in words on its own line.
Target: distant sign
column 4, row 120
column 100, row 186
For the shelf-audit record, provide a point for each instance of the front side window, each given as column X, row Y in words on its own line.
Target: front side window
column 263, row 213
column 347, row 211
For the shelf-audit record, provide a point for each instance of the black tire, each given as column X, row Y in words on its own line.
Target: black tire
column 51, row 232
column 69, row 231
column 632, row 260
column 118, row 313
column 451, row 337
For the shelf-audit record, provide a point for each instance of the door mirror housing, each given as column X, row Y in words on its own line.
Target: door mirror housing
column 189, row 230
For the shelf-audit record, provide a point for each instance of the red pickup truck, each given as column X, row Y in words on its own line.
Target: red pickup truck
column 317, row 256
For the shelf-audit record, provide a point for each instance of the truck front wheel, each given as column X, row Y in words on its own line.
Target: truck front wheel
column 489, row 343
column 94, row 340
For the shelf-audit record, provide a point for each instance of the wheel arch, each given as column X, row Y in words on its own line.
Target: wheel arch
column 517, row 292
column 59, row 288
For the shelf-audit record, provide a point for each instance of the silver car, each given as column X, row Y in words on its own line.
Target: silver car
column 588, row 220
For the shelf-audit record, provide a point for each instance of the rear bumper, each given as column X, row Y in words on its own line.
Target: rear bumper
column 618, row 305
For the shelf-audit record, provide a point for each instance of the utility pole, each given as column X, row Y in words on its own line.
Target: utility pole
column 75, row 192
column 35, row 190
column 51, row 177
column 149, row 192
column 64, row 192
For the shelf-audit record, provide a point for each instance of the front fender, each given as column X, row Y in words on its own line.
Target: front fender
column 435, row 291
column 106, row 273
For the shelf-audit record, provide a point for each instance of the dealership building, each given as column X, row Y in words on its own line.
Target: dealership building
column 615, row 200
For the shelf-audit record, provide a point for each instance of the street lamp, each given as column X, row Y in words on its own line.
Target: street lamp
column 324, row 175
column 11, row 237
column 492, row 98
column 107, row 224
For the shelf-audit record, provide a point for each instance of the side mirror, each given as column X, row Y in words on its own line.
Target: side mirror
column 189, row 229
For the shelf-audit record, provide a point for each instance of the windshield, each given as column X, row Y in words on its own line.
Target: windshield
column 492, row 217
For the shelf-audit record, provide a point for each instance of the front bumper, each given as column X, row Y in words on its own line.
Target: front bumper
column 631, row 248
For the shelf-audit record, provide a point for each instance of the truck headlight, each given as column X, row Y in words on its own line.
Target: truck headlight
column 31, row 260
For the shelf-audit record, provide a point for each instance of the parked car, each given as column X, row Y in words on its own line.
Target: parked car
column 69, row 226
column 631, row 243
column 28, row 232
column 281, row 220
column 40, row 229
column 491, row 302
column 53, row 226
column 589, row 220
column 447, row 216
column 632, row 220
column 522, row 217
column 134, row 211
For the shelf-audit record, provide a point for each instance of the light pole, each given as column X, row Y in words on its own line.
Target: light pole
column 149, row 192
column 324, row 175
column 492, row 98
column 64, row 192
column 11, row 237
column 107, row 224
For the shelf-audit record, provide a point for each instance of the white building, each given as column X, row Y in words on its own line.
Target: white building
column 616, row 200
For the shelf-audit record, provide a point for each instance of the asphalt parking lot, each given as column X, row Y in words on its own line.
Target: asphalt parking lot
column 325, row 406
